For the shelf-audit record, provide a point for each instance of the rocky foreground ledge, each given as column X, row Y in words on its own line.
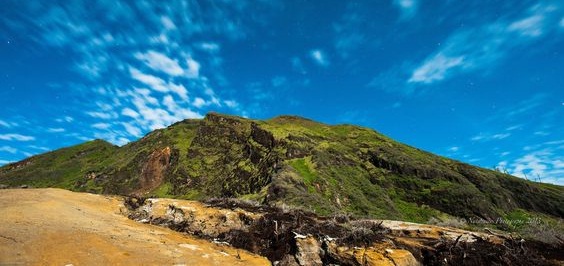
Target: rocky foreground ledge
column 58, row 227
column 294, row 237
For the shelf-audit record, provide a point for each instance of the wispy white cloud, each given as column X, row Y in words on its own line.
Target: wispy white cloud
column 180, row 90
column 542, row 162
column 231, row 103
column 56, row 130
column 530, row 164
column 115, row 137
column 543, row 165
column 556, row 143
column 170, row 103
column 408, row 8
column 91, row 69
column 454, row 149
column 213, row 97
column 67, row 119
column 8, row 124
column 514, row 127
column 102, row 115
column 8, row 149
column 168, row 24
column 199, row 102
column 500, row 136
column 101, row 125
column 148, row 112
column 435, row 69
column 489, row 137
column 193, row 70
column 319, row 57
column 106, row 106
column 531, row 26
column 160, row 62
column 541, row 133
column 132, row 130
column 129, row 112
column 484, row 46
column 210, row 47
column 16, row 137
column 158, row 84
column 153, row 82
column 41, row 148
column 145, row 95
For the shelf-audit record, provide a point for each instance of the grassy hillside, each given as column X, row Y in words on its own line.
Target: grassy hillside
column 290, row 161
column 61, row 168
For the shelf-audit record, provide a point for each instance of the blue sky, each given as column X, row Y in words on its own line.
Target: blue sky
column 478, row 81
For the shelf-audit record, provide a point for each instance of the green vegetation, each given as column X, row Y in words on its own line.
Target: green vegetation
column 163, row 191
column 412, row 212
column 304, row 168
column 292, row 161
column 61, row 168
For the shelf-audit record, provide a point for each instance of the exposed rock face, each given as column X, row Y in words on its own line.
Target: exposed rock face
column 189, row 216
column 308, row 251
column 378, row 254
column 229, row 157
column 152, row 173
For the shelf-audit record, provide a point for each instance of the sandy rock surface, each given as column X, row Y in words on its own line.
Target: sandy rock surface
column 58, row 227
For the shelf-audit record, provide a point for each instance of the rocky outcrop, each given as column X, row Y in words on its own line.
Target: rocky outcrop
column 299, row 238
column 378, row 254
column 188, row 216
column 229, row 157
column 152, row 173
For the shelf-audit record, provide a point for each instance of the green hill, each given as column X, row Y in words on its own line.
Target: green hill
column 290, row 161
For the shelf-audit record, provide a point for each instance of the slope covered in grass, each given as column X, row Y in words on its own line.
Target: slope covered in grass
column 292, row 161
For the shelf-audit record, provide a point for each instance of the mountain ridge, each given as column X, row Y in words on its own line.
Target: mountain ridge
column 289, row 160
